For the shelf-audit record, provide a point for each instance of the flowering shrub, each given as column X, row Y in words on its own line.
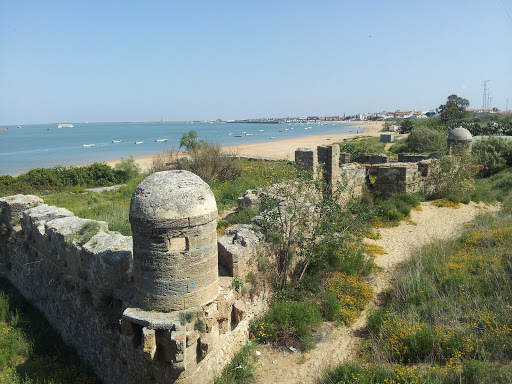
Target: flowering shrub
column 352, row 294
column 446, row 203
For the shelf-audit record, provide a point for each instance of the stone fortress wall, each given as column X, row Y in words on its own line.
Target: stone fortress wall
column 412, row 173
column 120, row 302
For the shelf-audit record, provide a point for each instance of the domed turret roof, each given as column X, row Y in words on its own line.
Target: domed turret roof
column 460, row 134
column 172, row 195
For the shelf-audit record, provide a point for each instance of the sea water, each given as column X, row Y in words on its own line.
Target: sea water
column 44, row 146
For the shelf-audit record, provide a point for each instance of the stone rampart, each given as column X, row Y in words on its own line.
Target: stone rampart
column 372, row 158
column 413, row 173
column 411, row 157
column 80, row 276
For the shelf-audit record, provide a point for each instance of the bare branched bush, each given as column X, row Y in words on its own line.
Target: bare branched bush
column 165, row 161
column 209, row 163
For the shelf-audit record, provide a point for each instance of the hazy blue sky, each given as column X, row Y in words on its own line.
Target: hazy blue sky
column 72, row 61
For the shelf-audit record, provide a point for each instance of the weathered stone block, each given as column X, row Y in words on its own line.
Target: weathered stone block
column 179, row 338
column 107, row 261
column 250, row 199
column 238, row 248
column 192, row 337
column 12, row 207
column 307, row 159
column 148, row 343
column 239, row 310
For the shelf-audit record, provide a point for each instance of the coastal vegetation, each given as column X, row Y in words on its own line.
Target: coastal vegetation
column 446, row 317
column 44, row 180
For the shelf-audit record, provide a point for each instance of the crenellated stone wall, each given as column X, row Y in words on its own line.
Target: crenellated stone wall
column 80, row 276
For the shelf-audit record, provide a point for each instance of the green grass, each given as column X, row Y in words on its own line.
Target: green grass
column 359, row 145
column 494, row 188
column 30, row 349
column 241, row 368
column 255, row 174
column 448, row 315
column 288, row 321
column 113, row 206
column 110, row 206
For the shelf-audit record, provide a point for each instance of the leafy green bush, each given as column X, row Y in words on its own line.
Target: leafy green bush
column 426, row 140
column 357, row 146
column 494, row 153
column 288, row 320
column 61, row 178
column 330, row 305
column 397, row 208
column 127, row 169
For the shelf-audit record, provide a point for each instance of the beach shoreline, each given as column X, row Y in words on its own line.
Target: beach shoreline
column 281, row 149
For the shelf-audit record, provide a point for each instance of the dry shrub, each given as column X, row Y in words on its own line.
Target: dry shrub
column 207, row 161
column 165, row 161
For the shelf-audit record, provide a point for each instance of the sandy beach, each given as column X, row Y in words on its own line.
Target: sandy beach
column 283, row 149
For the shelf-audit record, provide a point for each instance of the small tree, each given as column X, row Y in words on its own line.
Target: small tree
column 190, row 142
column 453, row 110
column 494, row 153
column 406, row 126
column 308, row 229
column 426, row 140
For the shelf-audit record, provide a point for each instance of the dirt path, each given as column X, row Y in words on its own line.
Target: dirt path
column 337, row 343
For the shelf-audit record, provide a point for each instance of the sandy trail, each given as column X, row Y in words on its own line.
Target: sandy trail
column 338, row 343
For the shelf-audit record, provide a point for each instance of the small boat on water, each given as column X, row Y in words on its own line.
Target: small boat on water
column 4, row 128
column 230, row 133
column 161, row 140
column 139, row 142
column 272, row 137
column 116, row 141
column 87, row 145
column 248, row 134
column 261, row 130
column 238, row 135
column 65, row 126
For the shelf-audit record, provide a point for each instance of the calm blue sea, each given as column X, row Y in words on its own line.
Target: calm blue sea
column 45, row 146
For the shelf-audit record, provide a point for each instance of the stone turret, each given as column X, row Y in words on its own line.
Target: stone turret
column 460, row 141
column 174, row 216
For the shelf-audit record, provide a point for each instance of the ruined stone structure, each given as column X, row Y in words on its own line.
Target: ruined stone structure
column 411, row 157
column 413, row 174
column 156, row 311
column 372, row 158
column 460, row 141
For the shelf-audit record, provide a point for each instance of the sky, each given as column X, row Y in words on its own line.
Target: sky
column 109, row 60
